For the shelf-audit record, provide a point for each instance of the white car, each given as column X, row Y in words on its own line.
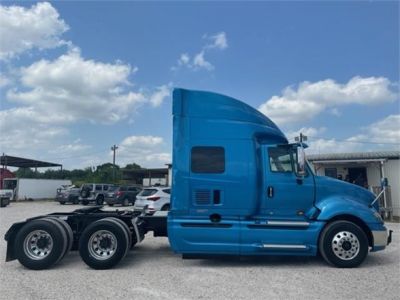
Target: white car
column 156, row 199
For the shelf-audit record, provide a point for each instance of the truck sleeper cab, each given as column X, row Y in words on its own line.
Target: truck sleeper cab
column 238, row 188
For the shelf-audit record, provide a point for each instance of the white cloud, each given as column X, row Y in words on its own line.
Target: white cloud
column 309, row 99
column 71, row 88
column 381, row 135
column 4, row 81
column 184, row 59
column 386, row 130
column 158, row 97
column 144, row 150
column 198, row 61
column 22, row 29
column 218, row 41
column 22, row 132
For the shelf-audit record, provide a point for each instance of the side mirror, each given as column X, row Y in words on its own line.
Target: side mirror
column 301, row 162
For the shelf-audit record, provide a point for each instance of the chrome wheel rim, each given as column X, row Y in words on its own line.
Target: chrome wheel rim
column 38, row 244
column 102, row 244
column 345, row 245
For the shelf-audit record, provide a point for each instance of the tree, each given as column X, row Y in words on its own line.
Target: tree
column 132, row 166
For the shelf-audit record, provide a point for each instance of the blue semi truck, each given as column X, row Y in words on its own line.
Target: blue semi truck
column 238, row 188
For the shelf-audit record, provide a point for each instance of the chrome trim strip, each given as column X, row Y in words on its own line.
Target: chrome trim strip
column 288, row 223
column 380, row 238
column 279, row 246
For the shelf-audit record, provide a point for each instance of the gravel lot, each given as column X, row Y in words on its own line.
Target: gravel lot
column 152, row 271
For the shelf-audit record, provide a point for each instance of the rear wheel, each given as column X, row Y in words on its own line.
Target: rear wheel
column 68, row 232
column 103, row 244
column 343, row 244
column 111, row 204
column 62, row 202
column 100, row 200
column 40, row 244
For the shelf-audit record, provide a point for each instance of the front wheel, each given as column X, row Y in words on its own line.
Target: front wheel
column 343, row 244
column 100, row 200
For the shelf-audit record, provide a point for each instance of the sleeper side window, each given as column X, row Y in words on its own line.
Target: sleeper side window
column 280, row 159
column 208, row 159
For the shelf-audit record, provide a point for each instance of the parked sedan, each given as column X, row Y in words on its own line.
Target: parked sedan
column 68, row 194
column 156, row 198
column 123, row 194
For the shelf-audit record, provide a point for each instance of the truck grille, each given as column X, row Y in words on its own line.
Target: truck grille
column 202, row 197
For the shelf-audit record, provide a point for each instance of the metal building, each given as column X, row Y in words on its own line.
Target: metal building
column 365, row 169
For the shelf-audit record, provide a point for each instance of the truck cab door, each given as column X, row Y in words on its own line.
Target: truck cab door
column 286, row 195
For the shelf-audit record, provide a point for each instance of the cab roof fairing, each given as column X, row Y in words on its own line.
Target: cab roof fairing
column 219, row 108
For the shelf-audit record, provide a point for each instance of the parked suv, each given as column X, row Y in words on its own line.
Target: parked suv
column 123, row 194
column 68, row 193
column 94, row 192
column 156, row 198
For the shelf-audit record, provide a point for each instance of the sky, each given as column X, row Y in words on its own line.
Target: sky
column 79, row 77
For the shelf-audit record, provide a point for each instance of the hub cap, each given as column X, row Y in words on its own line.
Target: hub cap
column 38, row 244
column 102, row 244
column 345, row 245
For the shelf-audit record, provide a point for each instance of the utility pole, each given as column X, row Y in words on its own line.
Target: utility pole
column 114, row 149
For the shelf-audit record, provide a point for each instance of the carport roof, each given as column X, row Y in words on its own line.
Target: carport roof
column 354, row 156
column 19, row 162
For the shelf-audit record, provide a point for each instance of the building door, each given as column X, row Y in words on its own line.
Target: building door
column 358, row 176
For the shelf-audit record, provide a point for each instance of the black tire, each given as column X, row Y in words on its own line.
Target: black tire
column 100, row 200
column 62, row 202
column 68, row 232
column 85, row 202
column 343, row 244
column 52, row 229
column 165, row 207
column 127, row 230
column 75, row 201
column 111, row 204
column 85, row 243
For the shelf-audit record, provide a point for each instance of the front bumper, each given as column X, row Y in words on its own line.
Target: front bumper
column 381, row 238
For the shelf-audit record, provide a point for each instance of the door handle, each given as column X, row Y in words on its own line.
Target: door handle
column 270, row 192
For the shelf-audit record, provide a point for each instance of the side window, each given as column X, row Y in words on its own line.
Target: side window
column 280, row 159
column 168, row 191
column 98, row 187
column 105, row 187
column 208, row 160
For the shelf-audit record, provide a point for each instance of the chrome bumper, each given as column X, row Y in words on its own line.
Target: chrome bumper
column 381, row 238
